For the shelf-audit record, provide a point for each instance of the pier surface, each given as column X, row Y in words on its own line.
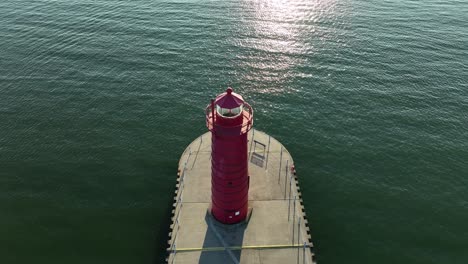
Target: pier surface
column 276, row 231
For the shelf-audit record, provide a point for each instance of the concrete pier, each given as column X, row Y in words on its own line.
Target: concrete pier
column 276, row 230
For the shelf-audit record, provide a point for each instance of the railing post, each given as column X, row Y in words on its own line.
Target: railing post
column 174, row 251
column 177, row 230
column 179, row 201
column 251, row 144
column 290, row 186
column 183, row 172
column 298, row 229
column 298, row 237
column 185, row 165
column 286, row 179
column 294, row 219
column 303, row 253
column 185, row 168
column 294, row 210
column 182, row 190
column 281, row 160
column 268, row 152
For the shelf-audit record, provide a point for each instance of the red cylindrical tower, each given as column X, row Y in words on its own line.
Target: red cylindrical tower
column 229, row 118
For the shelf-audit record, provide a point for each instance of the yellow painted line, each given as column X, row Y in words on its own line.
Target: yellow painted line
column 238, row 248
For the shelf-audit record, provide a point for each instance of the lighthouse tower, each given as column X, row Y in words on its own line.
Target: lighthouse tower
column 229, row 118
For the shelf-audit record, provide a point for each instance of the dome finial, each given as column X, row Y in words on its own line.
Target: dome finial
column 229, row 90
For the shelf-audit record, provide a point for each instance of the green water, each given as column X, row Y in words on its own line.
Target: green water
column 98, row 99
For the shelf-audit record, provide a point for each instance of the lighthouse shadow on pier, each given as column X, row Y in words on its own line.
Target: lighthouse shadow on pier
column 219, row 239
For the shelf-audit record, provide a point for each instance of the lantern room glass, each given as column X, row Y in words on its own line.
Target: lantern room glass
column 229, row 113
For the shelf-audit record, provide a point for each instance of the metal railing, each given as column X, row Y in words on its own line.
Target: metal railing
column 296, row 218
column 179, row 204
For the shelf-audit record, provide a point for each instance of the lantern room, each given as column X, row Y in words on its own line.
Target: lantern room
column 229, row 114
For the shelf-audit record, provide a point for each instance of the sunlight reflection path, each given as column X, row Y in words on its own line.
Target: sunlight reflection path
column 276, row 37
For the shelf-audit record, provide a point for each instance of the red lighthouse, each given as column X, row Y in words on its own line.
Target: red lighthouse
column 229, row 118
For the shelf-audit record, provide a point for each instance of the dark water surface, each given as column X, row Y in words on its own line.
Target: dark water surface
column 98, row 99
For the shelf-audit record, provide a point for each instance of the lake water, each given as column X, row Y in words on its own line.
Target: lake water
column 99, row 98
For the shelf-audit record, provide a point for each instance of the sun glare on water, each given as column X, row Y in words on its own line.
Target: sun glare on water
column 279, row 34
